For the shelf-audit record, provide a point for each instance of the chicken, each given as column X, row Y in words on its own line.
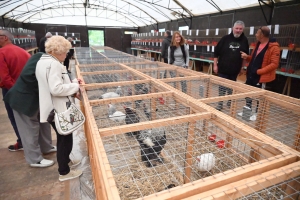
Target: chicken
column 131, row 118
column 115, row 94
column 147, row 111
column 152, row 142
column 206, row 162
column 114, row 115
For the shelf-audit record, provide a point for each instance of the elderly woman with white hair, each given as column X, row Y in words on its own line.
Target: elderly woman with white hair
column 56, row 90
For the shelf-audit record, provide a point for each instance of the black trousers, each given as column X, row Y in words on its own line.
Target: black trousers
column 64, row 148
column 223, row 90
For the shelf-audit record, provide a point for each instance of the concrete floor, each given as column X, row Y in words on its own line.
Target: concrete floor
column 20, row 181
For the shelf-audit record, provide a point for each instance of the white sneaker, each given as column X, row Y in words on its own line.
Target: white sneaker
column 43, row 163
column 74, row 163
column 240, row 113
column 253, row 117
column 72, row 174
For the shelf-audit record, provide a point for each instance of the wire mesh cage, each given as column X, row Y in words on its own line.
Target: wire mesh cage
column 99, row 67
column 109, row 76
column 281, row 183
column 152, row 141
column 166, row 71
column 124, row 89
column 134, row 109
column 273, row 117
column 145, row 65
column 180, row 153
column 204, row 87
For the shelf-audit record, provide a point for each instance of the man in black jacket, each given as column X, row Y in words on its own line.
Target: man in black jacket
column 165, row 45
column 42, row 42
column 227, row 58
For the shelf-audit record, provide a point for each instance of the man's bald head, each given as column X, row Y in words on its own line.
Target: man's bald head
column 265, row 31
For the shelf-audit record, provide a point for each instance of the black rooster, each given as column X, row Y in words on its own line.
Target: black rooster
column 131, row 118
column 152, row 143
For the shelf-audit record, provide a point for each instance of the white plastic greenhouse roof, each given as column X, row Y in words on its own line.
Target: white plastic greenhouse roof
column 126, row 13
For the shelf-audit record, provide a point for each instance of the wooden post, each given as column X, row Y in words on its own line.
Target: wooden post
column 262, row 116
column 207, row 95
column 153, row 105
column 189, row 88
column 189, row 152
column 297, row 138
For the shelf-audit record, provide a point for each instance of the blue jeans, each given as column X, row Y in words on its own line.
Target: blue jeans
column 11, row 116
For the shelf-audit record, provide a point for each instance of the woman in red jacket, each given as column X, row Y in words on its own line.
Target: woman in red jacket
column 263, row 63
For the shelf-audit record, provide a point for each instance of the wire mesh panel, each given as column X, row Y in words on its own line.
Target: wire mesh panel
column 200, row 88
column 93, row 68
column 140, row 110
column 165, row 72
column 277, row 119
column 179, row 153
column 110, row 77
column 279, row 183
column 123, row 90
column 149, row 65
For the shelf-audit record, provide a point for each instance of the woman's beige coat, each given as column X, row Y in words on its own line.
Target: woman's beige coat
column 54, row 86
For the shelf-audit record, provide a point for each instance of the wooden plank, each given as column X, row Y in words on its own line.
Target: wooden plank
column 130, row 98
column 155, row 123
column 187, row 78
column 218, row 180
column 233, row 97
column 253, row 184
column 156, row 69
column 104, row 189
column 287, row 105
column 105, row 72
column 283, row 97
column 189, row 152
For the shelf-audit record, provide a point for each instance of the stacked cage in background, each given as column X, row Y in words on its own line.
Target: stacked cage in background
column 202, row 43
column 23, row 38
column 154, row 133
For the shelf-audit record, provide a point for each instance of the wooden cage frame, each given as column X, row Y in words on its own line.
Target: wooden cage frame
column 280, row 157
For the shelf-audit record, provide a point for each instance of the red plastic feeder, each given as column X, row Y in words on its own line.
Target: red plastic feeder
column 161, row 100
column 212, row 137
column 220, row 144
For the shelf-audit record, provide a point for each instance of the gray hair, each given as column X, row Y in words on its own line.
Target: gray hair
column 7, row 34
column 48, row 35
column 239, row 22
column 69, row 39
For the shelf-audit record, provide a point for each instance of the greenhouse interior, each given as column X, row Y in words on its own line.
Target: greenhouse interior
column 150, row 99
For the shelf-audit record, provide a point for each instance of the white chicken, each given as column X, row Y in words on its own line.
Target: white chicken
column 206, row 162
column 115, row 94
column 114, row 115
